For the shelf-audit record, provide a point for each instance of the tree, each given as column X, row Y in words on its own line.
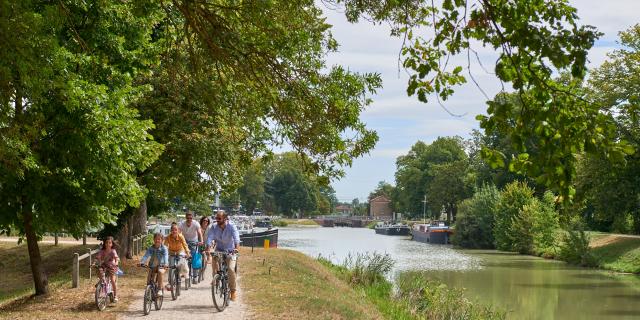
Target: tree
column 69, row 142
column 222, row 83
column 416, row 170
column 476, row 219
column 536, row 40
column 235, row 80
column 611, row 189
column 450, row 184
column 252, row 189
column 512, row 229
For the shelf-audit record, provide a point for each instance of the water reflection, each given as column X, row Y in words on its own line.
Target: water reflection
column 527, row 287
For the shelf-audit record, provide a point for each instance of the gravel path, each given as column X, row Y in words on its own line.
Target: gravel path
column 192, row 304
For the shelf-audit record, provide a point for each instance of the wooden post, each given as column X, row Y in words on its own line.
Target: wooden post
column 135, row 246
column 76, row 269
column 89, row 263
column 84, row 239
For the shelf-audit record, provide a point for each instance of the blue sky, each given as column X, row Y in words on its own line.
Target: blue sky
column 401, row 120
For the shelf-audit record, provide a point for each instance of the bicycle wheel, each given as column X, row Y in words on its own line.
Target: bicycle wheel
column 177, row 281
column 187, row 278
column 201, row 275
column 148, row 299
column 101, row 296
column 159, row 299
column 172, row 283
column 217, row 293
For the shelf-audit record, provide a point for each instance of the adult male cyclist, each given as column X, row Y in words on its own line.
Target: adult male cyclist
column 227, row 239
column 192, row 233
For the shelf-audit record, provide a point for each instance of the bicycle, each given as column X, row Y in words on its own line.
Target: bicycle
column 205, row 256
column 193, row 248
column 104, row 291
column 220, row 291
column 151, row 292
column 174, row 277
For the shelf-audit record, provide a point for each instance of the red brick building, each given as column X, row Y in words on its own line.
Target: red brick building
column 380, row 206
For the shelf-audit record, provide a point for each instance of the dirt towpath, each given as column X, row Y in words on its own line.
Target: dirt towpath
column 192, row 304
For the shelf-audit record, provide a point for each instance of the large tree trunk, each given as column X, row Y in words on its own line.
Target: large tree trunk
column 133, row 222
column 40, row 280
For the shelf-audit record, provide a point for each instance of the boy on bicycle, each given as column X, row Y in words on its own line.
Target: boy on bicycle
column 227, row 240
column 158, row 256
column 177, row 245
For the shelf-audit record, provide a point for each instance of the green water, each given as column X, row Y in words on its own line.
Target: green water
column 527, row 287
column 533, row 288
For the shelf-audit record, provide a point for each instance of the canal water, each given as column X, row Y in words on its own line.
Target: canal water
column 526, row 287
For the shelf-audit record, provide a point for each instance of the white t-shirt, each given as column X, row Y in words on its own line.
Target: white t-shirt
column 190, row 233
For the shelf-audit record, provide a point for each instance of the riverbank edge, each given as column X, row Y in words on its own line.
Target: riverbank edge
column 619, row 256
column 287, row 284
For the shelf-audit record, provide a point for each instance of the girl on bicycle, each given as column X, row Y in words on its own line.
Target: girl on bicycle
column 177, row 246
column 107, row 261
column 158, row 257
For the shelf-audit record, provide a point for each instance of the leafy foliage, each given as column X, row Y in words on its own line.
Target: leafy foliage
column 611, row 188
column 476, row 218
column 416, row 171
column 70, row 143
column 536, row 40
column 512, row 230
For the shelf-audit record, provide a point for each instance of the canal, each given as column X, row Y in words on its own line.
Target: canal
column 526, row 287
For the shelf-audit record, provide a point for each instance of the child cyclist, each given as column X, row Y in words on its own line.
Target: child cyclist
column 158, row 257
column 177, row 246
column 107, row 262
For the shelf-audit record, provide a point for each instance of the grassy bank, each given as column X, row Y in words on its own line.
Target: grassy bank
column 63, row 302
column 285, row 284
column 414, row 296
column 295, row 222
column 616, row 252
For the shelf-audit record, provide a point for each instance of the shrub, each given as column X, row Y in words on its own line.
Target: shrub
column 512, row 229
column 545, row 225
column 575, row 246
column 432, row 300
column 279, row 223
column 476, row 219
column 368, row 268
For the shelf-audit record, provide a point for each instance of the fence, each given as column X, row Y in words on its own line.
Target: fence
column 136, row 245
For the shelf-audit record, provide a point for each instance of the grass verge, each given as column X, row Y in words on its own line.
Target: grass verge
column 617, row 253
column 285, row 284
column 299, row 222
column 63, row 302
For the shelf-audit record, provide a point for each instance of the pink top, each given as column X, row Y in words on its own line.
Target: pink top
column 108, row 258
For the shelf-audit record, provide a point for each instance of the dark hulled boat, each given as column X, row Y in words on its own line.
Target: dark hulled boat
column 393, row 229
column 258, row 237
column 436, row 232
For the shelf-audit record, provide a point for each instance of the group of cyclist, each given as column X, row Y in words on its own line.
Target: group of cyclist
column 184, row 240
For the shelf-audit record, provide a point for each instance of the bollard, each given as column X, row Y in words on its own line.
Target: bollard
column 266, row 243
column 76, row 270
column 89, row 263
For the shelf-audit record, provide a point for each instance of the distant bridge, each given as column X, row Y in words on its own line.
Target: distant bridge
column 347, row 221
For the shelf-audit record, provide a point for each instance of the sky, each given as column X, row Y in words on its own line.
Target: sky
column 401, row 121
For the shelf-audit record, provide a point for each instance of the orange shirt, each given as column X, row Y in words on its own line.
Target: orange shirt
column 176, row 244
